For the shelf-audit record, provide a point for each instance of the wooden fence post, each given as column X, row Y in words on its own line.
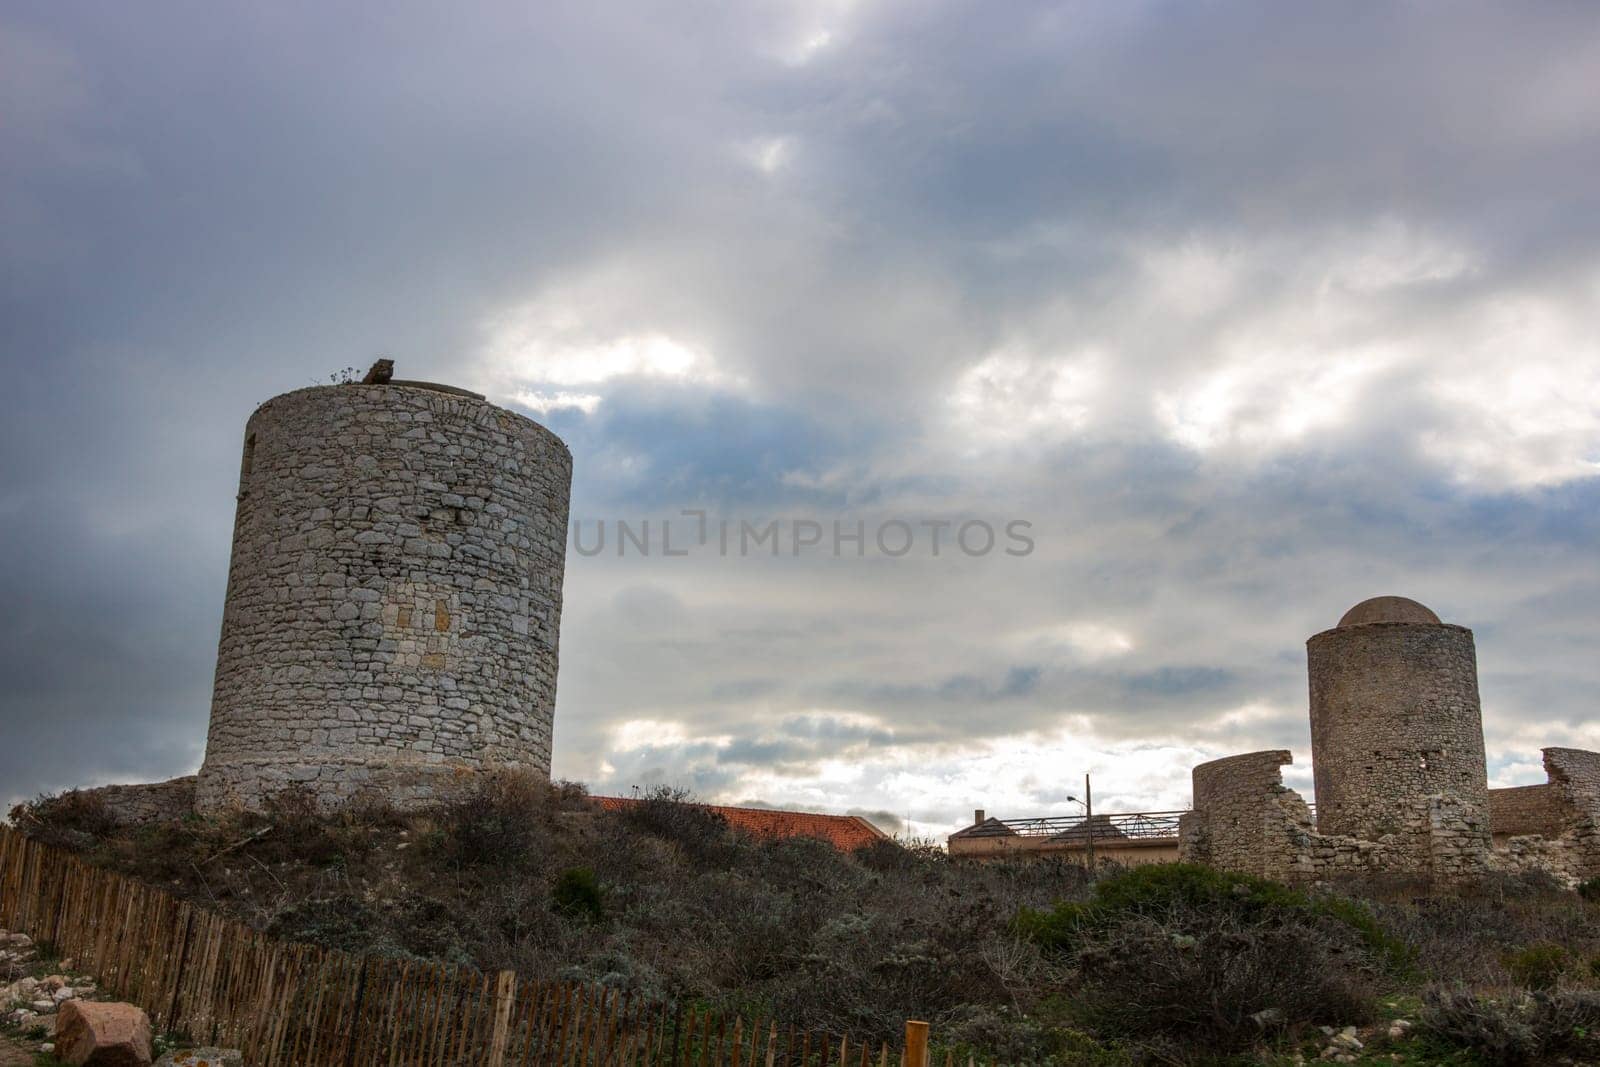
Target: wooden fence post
column 505, row 991
column 916, row 1044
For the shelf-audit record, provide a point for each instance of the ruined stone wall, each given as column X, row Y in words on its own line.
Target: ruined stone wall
column 1575, row 779
column 394, row 598
column 1245, row 819
column 1395, row 721
column 135, row 804
column 1574, row 782
column 1526, row 809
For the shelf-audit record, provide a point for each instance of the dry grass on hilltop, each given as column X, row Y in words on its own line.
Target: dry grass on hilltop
column 1025, row 960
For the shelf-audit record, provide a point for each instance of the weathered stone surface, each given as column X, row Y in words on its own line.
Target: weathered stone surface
column 90, row 1034
column 1388, row 609
column 1526, row 809
column 394, row 600
column 1395, row 719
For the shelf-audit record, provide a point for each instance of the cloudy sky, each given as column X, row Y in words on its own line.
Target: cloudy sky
column 1252, row 311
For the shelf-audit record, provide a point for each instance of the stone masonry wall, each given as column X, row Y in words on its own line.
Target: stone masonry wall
column 394, row 598
column 155, row 802
column 1245, row 819
column 1526, row 809
column 1574, row 776
column 1395, row 721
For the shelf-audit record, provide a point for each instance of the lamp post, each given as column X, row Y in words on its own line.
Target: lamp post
column 1088, row 819
column 1088, row 813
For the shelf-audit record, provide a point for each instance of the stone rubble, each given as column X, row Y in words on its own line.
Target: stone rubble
column 26, row 1001
column 98, row 1034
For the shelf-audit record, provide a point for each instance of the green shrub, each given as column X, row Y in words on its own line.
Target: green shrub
column 1185, row 960
column 1526, row 1030
column 1159, row 890
column 577, row 892
column 1589, row 888
column 1538, row 967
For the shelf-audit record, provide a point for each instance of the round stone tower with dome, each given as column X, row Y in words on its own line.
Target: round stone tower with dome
column 394, row 597
column 1395, row 720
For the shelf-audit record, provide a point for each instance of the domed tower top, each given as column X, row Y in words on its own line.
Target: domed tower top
column 1388, row 609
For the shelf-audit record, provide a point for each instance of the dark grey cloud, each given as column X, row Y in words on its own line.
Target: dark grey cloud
column 1252, row 310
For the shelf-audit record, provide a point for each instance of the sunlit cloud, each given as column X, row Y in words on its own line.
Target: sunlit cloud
column 1266, row 401
column 1087, row 641
column 1011, row 396
column 769, row 154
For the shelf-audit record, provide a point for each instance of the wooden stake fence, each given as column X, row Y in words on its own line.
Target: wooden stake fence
column 296, row 1005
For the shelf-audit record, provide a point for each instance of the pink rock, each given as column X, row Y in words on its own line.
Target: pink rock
column 90, row 1034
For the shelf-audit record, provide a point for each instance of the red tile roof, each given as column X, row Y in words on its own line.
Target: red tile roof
column 844, row 832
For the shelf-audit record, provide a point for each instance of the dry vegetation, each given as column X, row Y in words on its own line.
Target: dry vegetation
column 1026, row 961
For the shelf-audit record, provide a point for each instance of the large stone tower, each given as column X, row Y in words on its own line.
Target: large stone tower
column 394, row 599
column 1395, row 720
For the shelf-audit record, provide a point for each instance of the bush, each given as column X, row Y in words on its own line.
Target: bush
column 74, row 819
column 496, row 821
column 1187, row 960
column 1510, row 1033
column 1589, row 888
column 1538, row 967
column 577, row 892
column 1461, row 937
column 1161, row 890
column 672, row 815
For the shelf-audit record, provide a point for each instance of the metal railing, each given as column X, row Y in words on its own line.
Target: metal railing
column 1142, row 825
column 1067, row 828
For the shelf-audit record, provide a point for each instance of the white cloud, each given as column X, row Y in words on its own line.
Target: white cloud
column 634, row 734
column 544, row 403
column 1265, row 401
column 1521, row 396
column 769, row 154
column 1011, row 396
column 565, row 347
column 1086, row 641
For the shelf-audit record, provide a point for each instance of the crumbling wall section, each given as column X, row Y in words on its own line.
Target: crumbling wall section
column 1527, row 809
column 1575, row 779
column 1245, row 819
column 131, row 805
column 1569, row 847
